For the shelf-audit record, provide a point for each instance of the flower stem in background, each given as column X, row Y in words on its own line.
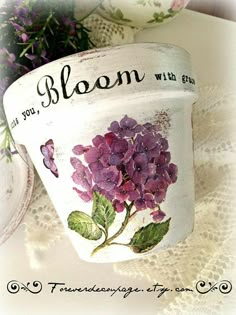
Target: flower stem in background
column 108, row 241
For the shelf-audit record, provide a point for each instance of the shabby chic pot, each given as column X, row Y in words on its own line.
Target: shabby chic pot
column 109, row 131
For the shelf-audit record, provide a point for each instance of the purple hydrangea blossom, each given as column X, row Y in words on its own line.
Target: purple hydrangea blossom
column 97, row 158
column 145, row 200
column 158, row 215
column 125, row 191
column 84, row 195
column 119, row 206
column 80, row 149
column 127, row 127
column 149, row 144
column 108, row 178
column 139, row 168
column 129, row 164
column 83, row 177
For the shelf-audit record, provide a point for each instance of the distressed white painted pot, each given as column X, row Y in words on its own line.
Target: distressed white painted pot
column 110, row 134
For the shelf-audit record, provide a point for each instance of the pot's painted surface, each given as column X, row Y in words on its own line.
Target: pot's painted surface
column 109, row 132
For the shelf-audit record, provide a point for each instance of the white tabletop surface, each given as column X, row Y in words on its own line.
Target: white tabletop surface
column 211, row 42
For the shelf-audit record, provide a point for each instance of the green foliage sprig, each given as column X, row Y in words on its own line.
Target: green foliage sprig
column 33, row 33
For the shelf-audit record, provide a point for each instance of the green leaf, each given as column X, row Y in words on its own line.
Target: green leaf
column 83, row 224
column 126, row 20
column 103, row 212
column 119, row 14
column 156, row 15
column 149, row 236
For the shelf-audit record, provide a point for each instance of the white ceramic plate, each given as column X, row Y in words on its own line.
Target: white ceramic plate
column 16, row 184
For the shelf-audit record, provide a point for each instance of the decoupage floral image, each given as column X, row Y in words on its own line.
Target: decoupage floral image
column 128, row 169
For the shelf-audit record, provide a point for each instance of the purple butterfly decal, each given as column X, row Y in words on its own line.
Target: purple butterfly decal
column 47, row 151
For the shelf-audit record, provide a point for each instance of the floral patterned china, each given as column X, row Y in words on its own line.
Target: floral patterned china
column 141, row 13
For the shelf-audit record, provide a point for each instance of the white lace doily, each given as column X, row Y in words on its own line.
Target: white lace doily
column 42, row 225
column 207, row 254
column 104, row 33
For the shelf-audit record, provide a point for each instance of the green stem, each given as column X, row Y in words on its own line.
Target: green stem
column 38, row 36
column 108, row 241
column 133, row 214
column 122, row 244
column 105, row 232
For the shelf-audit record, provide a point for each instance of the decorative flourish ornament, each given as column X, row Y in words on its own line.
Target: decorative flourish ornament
column 15, row 286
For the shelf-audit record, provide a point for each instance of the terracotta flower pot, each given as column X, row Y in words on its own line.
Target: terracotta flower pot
column 110, row 134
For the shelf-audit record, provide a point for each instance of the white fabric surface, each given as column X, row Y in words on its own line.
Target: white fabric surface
column 208, row 253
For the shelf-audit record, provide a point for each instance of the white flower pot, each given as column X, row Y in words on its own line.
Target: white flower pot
column 109, row 131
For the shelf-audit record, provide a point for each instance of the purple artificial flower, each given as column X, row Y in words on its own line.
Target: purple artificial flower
column 82, row 177
column 22, row 13
column 17, row 27
column 8, row 59
column 24, row 37
column 71, row 24
column 139, row 169
column 108, row 178
column 31, row 57
column 158, row 215
column 47, row 151
column 37, row 60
